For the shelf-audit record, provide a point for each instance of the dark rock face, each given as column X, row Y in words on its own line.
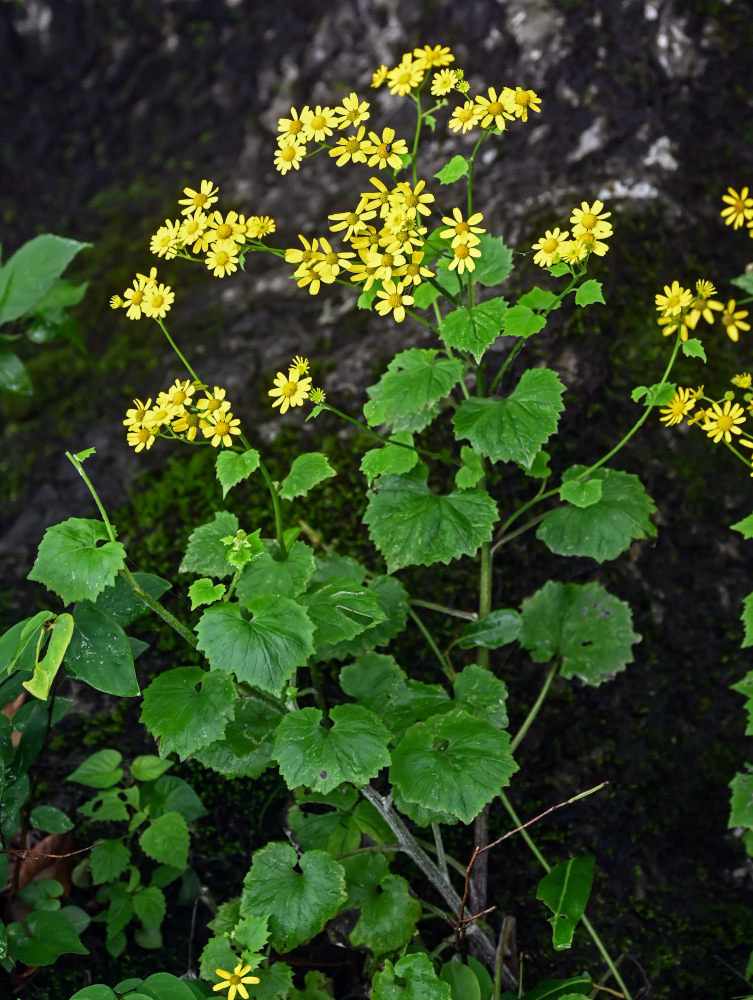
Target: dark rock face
column 109, row 109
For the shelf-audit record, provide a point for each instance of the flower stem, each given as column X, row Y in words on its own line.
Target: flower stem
column 534, row 709
column 175, row 347
column 446, row 666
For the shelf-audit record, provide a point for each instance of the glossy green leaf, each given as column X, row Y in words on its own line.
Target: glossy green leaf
column 246, row 748
column 371, row 677
column 436, row 763
column 353, row 748
column 389, row 913
column 606, row 527
column 100, row 653
column 207, row 553
column 99, row 770
column 72, row 563
column 493, row 630
column 495, row 262
column 108, row 860
column 392, row 599
column 584, row 625
column 48, row 819
column 693, row 348
column 270, row 574
column 412, row 978
column 299, row 894
column 149, row 906
column 31, row 272
column 516, row 427
column 188, row 708
column 43, row 938
column 745, row 527
column 474, row 330
column 306, row 472
column 462, row 981
column 203, row 591
column 121, row 602
column 166, row 840
column 171, row 794
column 14, row 376
column 164, row 986
column 589, row 292
column 741, row 804
column 581, row 492
column 277, row 983
column 148, row 767
column 96, row 992
column 414, row 382
column 390, row 458
column 46, row 668
column 479, row 692
column 340, row 609
column 520, row 321
column 18, row 646
column 540, row 299
column 232, row 468
column 471, row 471
column 565, row 890
column 412, row 525
column 452, row 171
column 264, row 650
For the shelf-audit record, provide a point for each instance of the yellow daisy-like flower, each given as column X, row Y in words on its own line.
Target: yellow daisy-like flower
column 317, row 396
column 406, row 76
column 157, row 301
column 291, row 128
column 548, row 247
column 351, row 148
column 385, row 264
column 412, row 200
column 443, row 82
column 385, row 151
column 289, row 155
column 592, row 243
column 674, row 301
column 733, row 321
column 222, row 261
column 116, row 302
column 179, row 394
column 351, row 222
column 464, row 117
column 492, row 110
column 306, row 257
column 703, row 305
column 519, row 102
column 141, row 437
column 351, row 113
column 722, row 421
column 379, row 76
column 669, row 325
column 298, row 366
column 377, row 201
column 743, row 380
column 681, row 403
column 219, row 426
column 161, row 415
column 363, row 272
column 739, row 207
column 166, row 240
column 224, row 228
column 192, row 229
column 590, row 219
column 318, row 124
column 431, row 56
column 331, row 263
column 214, row 401
column 236, row 980
column 289, row 391
column 412, row 272
column 393, row 300
column 187, row 423
column 462, row 230
column 463, row 257
column 136, row 415
column 259, row 226
column 202, row 199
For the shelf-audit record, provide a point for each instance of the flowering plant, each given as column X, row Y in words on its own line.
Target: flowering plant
column 289, row 663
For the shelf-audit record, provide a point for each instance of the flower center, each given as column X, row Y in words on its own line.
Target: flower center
column 221, row 427
column 465, row 114
column 461, row 251
column 288, row 153
column 395, row 301
column 494, row 108
column 522, row 98
column 221, row 258
column 550, row 245
column 157, row 301
column 224, row 232
column 588, row 220
column 318, row 122
column 295, row 127
column 724, row 422
column 290, row 389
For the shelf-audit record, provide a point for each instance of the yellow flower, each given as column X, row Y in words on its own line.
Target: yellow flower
column 351, row 112
column 463, row 259
column 318, row 124
column 137, row 413
column 721, row 422
column 464, row 117
column 317, row 396
column 289, row 155
column 462, row 230
column 739, row 207
column 291, row 128
column 733, row 321
column 393, row 300
column 214, row 401
column 192, row 229
column 385, row 151
column 379, row 76
column 681, row 403
column 703, row 305
column 590, row 219
column 443, row 82
column 518, row 102
column 351, row 148
column 141, row 437
column 406, row 76
column 492, row 110
column 259, row 226
column 221, row 261
column 289, row 391
column 157, row 301
column 219, row 426
column 226, row 228
column 200, row 200
column 116, row 302
column 298, row 366
column 236, row 980
column 549, row 247
column 674, row 300
column 743, row 380
column 166, row 240
column 438, row 55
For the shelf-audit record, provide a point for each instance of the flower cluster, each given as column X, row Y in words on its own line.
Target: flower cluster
column 739, row 209
column 317, row 124
column 589, row 230
column 680, row 310
column 148, row 297
column 178, row 414
column 295, row 387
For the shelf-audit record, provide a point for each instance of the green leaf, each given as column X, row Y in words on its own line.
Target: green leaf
column 414, row 382
column 46, row 668
column 108, row 806
column 188, row 708
column 121, row 602
column 171, row 794
column 390, row 458
column 453, row 171
column 584, row 625
column 520, row 321
column 277, row 983
column 479, row 692
column 589, row 292
column 565, row 890
column 247, row 745
column 412, row 525
column 461, row 980
column 18, row 646
column 540, row 466
column 99, row 770
column 100, row 653
column 203, row 591
column 316, row 985
column 270, row 574
column 50, row 820
column 31, row 272
column 658, row 394
column 206, row 553
column 353, row 748
column 693, row 348
column 540, row 299
column 147, row 767
column 747, row 620
column 581, row 492
column 340, row 608
column 218, row 953
column 72, row 564
column 164, row 986
column 150, row 907
column 166, row 840
column 744, row 281
column 13, row 374
column 389, row 913
column 43, row 938
column 514, row 428
column 412, row 978
column 475, row 329
column 436, row 764
column 561, row 989
column 95, row 992
column 306, row 472
column 605, row 528
column 745, row 527
column 493, row 630
column 495, row 262
column 251, row 933
column 109, row 859
column 370, row 678
column 233, row 468
column 741, row 803
column 393, row 602
column 471, row 471
column 263, row 651
column 298, row 902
